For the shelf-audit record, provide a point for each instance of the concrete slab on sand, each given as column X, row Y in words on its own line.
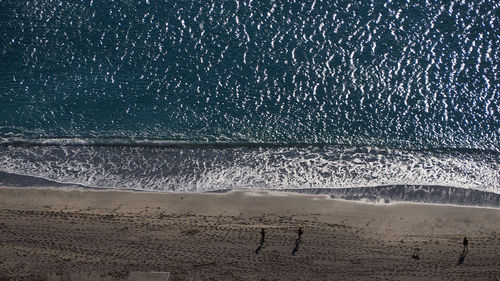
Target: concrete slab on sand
column 148, row 276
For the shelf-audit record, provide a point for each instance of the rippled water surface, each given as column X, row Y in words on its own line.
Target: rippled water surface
column 349, row 72
column 406, row 79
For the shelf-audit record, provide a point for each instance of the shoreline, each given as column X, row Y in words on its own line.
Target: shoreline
column 215, row 235
column 272, row 192
column 381, row 194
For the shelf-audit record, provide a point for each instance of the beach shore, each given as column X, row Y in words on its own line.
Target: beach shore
column 47, row 234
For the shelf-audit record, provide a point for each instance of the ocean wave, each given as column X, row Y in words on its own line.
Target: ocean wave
column 207, row 168
column 185, row 143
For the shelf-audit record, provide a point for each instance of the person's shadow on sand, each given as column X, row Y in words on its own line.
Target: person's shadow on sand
column 462, row 257
column 262, row 240
column 260, row 247
column 297, row 244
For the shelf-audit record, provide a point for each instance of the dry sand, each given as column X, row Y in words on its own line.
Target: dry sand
column 46, row 232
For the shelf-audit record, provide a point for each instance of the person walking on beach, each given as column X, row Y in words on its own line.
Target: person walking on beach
column 466, row 242
column 300, row 232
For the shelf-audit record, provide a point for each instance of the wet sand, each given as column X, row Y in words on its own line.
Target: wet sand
column 47, row 234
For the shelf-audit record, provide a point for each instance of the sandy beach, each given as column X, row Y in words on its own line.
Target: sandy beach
column 47, row 234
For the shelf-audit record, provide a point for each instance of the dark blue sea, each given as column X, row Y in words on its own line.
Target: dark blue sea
column 366, row 100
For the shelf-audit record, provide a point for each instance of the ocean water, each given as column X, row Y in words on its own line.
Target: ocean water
column 380, row 99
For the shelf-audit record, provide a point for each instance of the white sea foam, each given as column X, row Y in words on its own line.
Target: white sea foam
column 207, row 169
